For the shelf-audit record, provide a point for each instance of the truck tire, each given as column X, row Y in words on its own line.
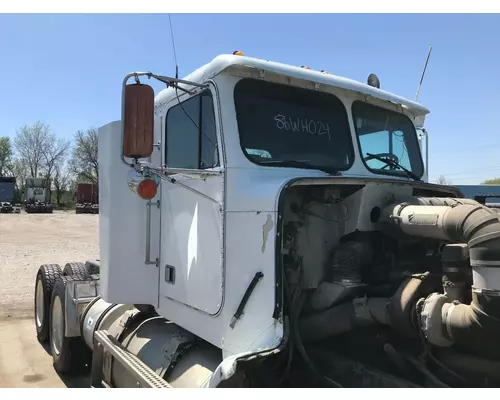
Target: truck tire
column 76, row 268
column 46, row 278
column 93, row 267
column 70, row 355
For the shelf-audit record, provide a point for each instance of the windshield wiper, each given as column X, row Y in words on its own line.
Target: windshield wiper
column 301, row 164
column 394, row 163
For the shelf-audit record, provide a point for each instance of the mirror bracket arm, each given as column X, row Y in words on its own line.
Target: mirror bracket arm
column 166, row 174
column 170, row 82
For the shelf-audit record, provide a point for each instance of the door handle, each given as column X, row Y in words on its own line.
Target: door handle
column 170, row 274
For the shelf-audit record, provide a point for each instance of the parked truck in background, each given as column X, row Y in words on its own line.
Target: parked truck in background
column 7, row 189
column 87, row 198
column 38, row 195
column 264, row 224
column 484, row 194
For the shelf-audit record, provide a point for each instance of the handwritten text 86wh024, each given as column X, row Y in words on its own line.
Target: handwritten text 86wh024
column 304, row 125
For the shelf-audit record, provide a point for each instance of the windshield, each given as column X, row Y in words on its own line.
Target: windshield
column 281, row 125
column 388, row 135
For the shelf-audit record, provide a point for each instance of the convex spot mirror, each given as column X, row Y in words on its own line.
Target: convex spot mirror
column 138, row 121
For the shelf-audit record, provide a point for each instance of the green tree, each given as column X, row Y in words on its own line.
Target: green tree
column 6, row 155
column 21, row 171
column 495, row 181
column 62, row 181
column 84, row 161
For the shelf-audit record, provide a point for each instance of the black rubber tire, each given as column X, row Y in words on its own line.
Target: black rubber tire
column 47, row 276
column 75, row 268
column 74, row 355
column 93, row 267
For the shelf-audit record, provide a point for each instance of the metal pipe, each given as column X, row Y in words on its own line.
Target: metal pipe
column 180, row 171
column 426, row 154
column 475, row 326
column 197, row 192
column 345, row 317
column 176, row 182
column 423, row 74
column 420, row 138
column 148, row 235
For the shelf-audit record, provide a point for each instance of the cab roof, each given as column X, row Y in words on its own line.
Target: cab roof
column 225, row 61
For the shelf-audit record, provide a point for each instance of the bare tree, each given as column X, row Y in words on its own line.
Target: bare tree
column 31, row 143
column 84, row 160
column 5, row 156
column 443, row 181
column 54, row 155
column 62, row 181
column 21, row 171
column 39, row 151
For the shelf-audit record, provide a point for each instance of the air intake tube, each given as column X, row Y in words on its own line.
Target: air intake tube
column 446, row 322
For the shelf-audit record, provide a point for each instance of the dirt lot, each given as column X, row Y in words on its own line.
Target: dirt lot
column 29, row 240
column 26, row 242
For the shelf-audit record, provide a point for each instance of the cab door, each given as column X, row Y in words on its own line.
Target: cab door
column 191, row 256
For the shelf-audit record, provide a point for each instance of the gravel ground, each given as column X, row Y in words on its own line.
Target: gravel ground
column 26, row 242
column 29, row 240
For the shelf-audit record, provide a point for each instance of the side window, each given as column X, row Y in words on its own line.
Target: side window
column 191, row 139
column 384, row 142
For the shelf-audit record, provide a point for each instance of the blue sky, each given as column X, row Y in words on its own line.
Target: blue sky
column 66, row 70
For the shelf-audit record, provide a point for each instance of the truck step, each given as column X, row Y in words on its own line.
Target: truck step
column 145, row 376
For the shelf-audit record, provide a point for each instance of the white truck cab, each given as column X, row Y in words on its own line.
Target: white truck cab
column 247, row 211
column 215, row 228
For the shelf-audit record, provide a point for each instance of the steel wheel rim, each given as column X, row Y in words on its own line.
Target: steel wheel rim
column 57, row 331
column 39, row 297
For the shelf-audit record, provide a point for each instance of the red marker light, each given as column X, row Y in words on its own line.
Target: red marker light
column 147, row 189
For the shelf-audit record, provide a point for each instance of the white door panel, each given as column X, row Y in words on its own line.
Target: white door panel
column 192, row 244
column 191, row 261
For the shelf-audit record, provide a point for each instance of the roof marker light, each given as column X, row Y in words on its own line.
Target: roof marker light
column 238, row 53
column 324, row 71
column 305, row 67
column 373, row 81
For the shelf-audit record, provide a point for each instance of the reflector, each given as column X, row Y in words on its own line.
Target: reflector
column 147, row 189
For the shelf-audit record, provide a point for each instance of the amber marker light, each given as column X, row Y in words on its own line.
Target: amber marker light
column 147, row 189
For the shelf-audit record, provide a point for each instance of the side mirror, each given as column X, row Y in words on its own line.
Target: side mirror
column 138, row 121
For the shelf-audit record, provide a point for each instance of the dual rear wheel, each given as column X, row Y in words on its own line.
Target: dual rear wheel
column 70, row 354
